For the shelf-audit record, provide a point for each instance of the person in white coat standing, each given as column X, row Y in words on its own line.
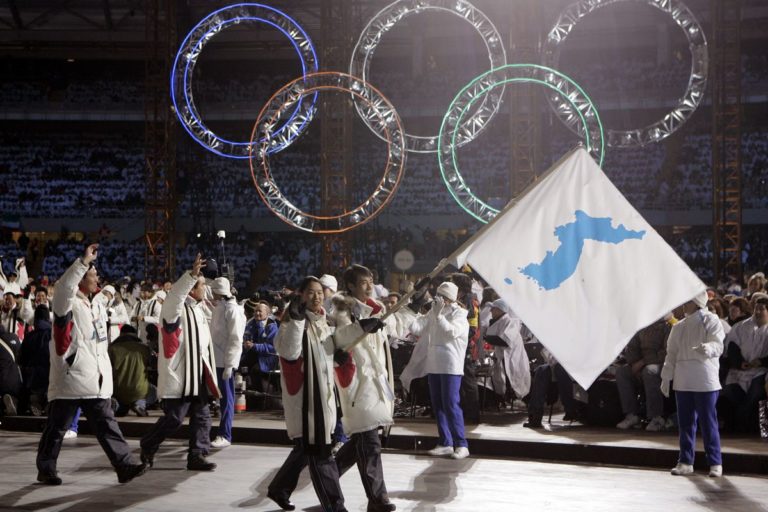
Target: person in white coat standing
column 446, row 328
column 186, row 378
column 227, row 328
column 692, row 364
column 81, row 373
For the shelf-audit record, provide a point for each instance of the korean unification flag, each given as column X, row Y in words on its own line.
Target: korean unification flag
column 580, row 266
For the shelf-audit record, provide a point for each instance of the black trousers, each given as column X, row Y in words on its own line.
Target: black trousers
column 322, row 470
column 364, row 448
column 175, row 410
column 99, row 414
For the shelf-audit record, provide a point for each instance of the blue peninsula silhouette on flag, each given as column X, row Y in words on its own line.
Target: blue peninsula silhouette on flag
column 559, row 265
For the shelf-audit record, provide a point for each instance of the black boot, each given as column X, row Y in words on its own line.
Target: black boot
column 48, row 478
column 130, row 471
column 198, row 463
column 147, row 457
column 282, row 501
column 534, row 419
column 381, row 506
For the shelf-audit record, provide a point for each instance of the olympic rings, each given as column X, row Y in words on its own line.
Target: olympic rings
column 573, row 104
column 378, row 108
column 385, row 19
column 192, row 47
column 697, row 82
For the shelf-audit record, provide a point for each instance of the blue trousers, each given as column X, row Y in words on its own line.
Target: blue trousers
column 75, row 421
column 692, row 405
column 227, row 402
column 444, row 395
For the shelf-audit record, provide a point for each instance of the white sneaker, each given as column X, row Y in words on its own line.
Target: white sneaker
column 657, row 424
column 220, row 442
column 462, row 452
column 439, row 451
column 682, row 469
column 70, row 434
column 629, row 421
column 716, row 471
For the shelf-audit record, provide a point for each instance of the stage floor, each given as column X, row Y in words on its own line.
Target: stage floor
column 500, row 435
column 415, row 483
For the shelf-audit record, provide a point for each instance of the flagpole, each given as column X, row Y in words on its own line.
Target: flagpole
column 446, row 261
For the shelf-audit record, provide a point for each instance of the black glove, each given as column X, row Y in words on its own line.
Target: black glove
column 422, row 283
column 340, row 357
column 296, row 308
column 371, row 325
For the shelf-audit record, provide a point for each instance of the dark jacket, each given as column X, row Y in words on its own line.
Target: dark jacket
column 34, row 357
column 10, row 376
column 649, row 344
column 130, row 358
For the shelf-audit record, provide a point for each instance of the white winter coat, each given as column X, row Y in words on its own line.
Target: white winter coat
column 446, row 333
column 184, row 361
column 367, row 398
column 80, row 366
column 293, row 363
column 150, row 310
column 227, row 329
column 116, row 314
column 689, row 369
column 752, row 340
column 16, row 319
column 511, row 360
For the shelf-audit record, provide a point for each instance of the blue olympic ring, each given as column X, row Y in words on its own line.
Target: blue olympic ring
column 191, row 48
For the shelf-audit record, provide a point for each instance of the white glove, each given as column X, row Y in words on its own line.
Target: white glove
column 226, row 374
column 665, row 388
column 437, row 305
column 703, row 349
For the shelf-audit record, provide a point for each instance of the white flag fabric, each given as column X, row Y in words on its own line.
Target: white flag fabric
column 580, row 266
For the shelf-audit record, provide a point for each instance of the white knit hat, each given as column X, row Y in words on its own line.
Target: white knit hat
column 160, row 295
column 701, row 299
column 109, row 289
column 221, row 286
column 448, row 290
column 328, row 281
column 500, row 304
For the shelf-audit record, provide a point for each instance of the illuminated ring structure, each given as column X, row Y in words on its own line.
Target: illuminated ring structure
column 377, row 107
column 697, row 82
column 192, row 47
column 385, row 19
column 571, row 103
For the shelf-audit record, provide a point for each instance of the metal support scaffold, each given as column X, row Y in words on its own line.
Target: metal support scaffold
column 335, row 114
column 159, row 141
column 524, row 98
column 726, row 138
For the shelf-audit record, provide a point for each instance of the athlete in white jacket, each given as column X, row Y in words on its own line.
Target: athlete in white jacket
column 186, row 378
column 81, row 374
